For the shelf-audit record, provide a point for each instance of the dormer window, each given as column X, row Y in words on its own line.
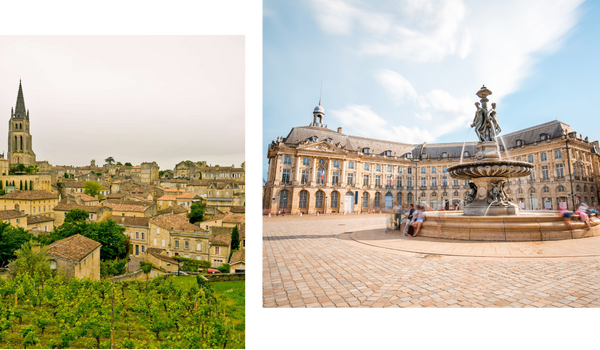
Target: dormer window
column 424, row 156
column 444, row 155
column 519, row 143
column 314, row 139
column 329, row 140
column 543, row 137
column 408, row 155
column 466, row 154
column 366, row 150
column 388, row 153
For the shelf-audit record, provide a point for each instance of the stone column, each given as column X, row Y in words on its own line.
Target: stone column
column 329, row 172
column 297, row 177
column 314, row 172
column 343, row 174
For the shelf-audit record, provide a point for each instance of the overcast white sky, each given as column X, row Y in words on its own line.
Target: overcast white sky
column 135, row 98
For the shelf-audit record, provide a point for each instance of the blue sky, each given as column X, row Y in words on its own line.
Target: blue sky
column 408, row 71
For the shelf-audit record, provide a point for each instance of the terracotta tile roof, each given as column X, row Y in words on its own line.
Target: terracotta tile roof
column 84, row 197
column 175, row 222
column 220, row 235
column 174, row 209
column 10, row 214
column 38, row 218
column 242, row 232
column 115, row 195
column 31, row 195
column 234, row 218
column 206, row 182
column 130, row 221
column 238, row 257
column 71, row 206
column 73, row 248
column 167, row 198
column 73, row 184
column 238, row 209
column 126, row 207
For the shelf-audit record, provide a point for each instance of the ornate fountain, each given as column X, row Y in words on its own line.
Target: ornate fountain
column 488, row 174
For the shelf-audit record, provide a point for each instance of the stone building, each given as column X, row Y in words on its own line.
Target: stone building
column 220, row 245
column 138, row 231
column 149, row 173
column 14, row 217
column 96, row 213
column 30, row 202
column 223, row 173
column 178, row 237
column 318, row 170
column 76, row 256
column 20, row 150
column 188, row 169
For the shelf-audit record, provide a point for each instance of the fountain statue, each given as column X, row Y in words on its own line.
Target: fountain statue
column 488, row 174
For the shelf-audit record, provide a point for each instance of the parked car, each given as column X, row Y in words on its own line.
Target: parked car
column 213, row 271
column 180, row 273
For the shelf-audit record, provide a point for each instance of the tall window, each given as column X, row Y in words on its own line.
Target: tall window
column 378, row 168
column 350, row 179
column 423, row 181
column 445, row 181
column 559, row 171
column 283, row 199
column 399, row 170
column 365, row 200
column 350, row 165
column 321, row 176
column 434, row 181
column 409, row 182
column 530, row 158
column 305, row 161
column 186, row 245
column 389, row 168
column 377, row 200
column 544, row 157
column 444, row 170
column 409, row 198
column 366, row 167
column 455, row 182
column 434, row 170
column 285, row 176
column 287, row 160
column 399, row 197
column 557, row 154
column 365, row 180
column 335, row 178
column 336, row 163
column 304, row 178
column 409, row 170
column 399, row 182
column 545, row 172
column 378, row 180
column 423, row 170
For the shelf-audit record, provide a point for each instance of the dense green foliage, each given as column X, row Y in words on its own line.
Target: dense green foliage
column 235, row 238
column 32, row 259
column 196, row 212
column 110, row 160
column 115, row 267
column 11, row 239
column 92, row 188
column 192, row 265
column 114, row 243
column 128, row 164
column 224, row 268
column 76, row 215
column 83, row 314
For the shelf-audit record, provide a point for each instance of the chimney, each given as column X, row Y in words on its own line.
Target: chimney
column 340, row 130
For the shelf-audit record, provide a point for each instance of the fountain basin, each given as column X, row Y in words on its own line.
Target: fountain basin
column 490, row 168
column 528, row 226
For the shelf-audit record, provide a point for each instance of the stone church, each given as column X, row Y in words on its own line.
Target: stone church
column 20, row 150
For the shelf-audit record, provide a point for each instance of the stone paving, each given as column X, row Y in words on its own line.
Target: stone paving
column 314, row 262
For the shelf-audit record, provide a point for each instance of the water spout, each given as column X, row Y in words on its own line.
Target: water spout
column 463, row 147
column 504, row 145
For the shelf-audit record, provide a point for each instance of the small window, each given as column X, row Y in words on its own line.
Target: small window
column 321, row 161
column 557, row 154
column 305, row 161
column 287, row 160
column 53, row 264
column 409, row 170
column 530, row 159
column 444, row 155
column 424, row 156
column 408, row 155
column 365, row 150
column 186, row 245
column 329, row 140
column 366, row 167
column 444, row 170
column 519, row 143
column 423, row 170
column 336, row 163
column 389, row 168
column 543, row 137
column 176, row 244
column 388, row 153
column 544, row 157
column 399, row 170
column 378, row 168
column 434, row 170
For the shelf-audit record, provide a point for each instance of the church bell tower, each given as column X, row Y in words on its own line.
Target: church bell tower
column 19, row 138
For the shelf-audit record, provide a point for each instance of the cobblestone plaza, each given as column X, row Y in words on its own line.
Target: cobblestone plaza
column 351, row 261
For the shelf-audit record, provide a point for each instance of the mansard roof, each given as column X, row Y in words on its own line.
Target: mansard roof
column 302, row 135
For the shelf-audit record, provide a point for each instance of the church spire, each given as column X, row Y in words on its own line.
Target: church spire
column 20, row 108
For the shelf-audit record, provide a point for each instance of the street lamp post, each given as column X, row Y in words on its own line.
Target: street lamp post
column 531, row 201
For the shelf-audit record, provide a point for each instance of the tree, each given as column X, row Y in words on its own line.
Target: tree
column 243, row 164
column 25, row 185
column 110, row 160
column 31, row 259
column 128, row 164
column 77, row 215
column 92, row 188
column 224, row 268
column 30, row 185
column 196, row 212
column 21, row 184
column 31, row 169
column 11, row 239
column 119, row 163
column 30, row 336
column 235, row 238
column 147, row 268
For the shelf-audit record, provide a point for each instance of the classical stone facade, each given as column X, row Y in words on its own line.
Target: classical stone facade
column 20, row 149
column 318, row 170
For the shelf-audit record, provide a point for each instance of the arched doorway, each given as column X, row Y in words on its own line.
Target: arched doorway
column 335, row 202
column 283, row 200
column 389, row 198
column 303, row 201
column 319, row 207
column 349, row 202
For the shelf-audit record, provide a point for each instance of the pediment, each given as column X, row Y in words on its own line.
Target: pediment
column 322, row 146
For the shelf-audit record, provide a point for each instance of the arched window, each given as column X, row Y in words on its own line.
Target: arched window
column 561, row 188
column 466, row 154
column 377, row 200
column 433, row 194
column 423, row 194
column 365, row 200
column 455, row 194
column 520, row 190
column 532, row 190
column 546, row 189
column 444, row 155
column 578, row 189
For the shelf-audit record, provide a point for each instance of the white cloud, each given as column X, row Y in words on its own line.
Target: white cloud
column 439, row 52
column 362, row 120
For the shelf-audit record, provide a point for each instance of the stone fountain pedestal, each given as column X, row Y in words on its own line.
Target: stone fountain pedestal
column 487, row 176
